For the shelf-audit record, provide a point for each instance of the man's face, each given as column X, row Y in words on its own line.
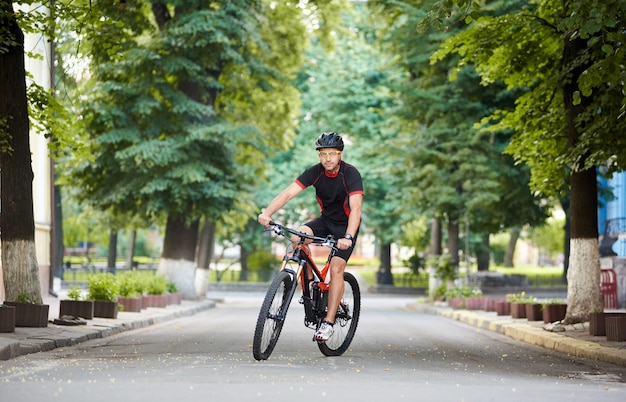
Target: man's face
column 330, row 158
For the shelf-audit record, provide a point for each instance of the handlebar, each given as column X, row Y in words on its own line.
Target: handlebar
column 328, row 241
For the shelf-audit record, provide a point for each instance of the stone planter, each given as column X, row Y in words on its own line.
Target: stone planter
column 456, row 302
column 615, row 328
column 158, row 301
column 7, row 319
column 105, row 309
column 30, row 315
column 503, row 308
column 518, row 310
column 130, row 304
column 554, row 312
column 597, row 326
column 76, row 308
column 474, row 303
column 175, row 298
column 533, row 312
column 490, row 304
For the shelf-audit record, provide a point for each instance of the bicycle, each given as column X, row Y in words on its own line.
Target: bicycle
column 314, row 298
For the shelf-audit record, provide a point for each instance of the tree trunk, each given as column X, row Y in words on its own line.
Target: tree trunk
column 58, row 249
column 509, row 255
column 112, row 255
column 17, row 222
column 177, row 259
column 435, row 237
column 206, row 245
column 384, row 271
column 130, row 253
column 205, row 254
column 568, row 235
column 243, row 261
column 453, row 242
column 583, row 275
column 484, row 256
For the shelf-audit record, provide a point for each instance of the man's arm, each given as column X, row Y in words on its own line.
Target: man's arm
column 278, row 202
column 354, row 220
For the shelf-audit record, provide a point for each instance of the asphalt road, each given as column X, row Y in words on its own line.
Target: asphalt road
column 396, row 355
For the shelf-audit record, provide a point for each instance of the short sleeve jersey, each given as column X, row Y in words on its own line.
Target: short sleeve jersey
column 333, row 193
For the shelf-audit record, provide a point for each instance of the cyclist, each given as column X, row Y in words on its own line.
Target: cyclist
column 339, row 192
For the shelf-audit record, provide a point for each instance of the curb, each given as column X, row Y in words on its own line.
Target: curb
column 32, row 340
column 530, row 334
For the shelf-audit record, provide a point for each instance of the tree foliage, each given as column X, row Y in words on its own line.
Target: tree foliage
column 157, row 149
column 569, row 56
column 534, row 61
column 448, row 169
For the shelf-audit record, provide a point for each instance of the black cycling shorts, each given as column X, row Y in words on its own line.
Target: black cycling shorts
column 323, row 227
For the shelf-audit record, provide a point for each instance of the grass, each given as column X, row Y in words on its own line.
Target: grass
column 537, row 276
column 368, row 270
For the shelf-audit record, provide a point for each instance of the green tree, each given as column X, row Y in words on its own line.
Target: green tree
column 17, row 222
column 569, row 55
column 178, row 113
column 344, row 90
column 549, row 238
column 446, row 168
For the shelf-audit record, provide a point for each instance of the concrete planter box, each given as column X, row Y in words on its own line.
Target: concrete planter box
column 158, row 301
column 130, row 304
column 533, row 312
column 518, row 310
column 616, row 328
column 105, row 309
column 503, row 308
column 7, row 319
column 30, row 315
column 76, row 308
column 597, row 324
column 554, row 312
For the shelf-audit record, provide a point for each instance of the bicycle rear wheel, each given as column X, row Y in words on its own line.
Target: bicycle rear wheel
column 346, row 320
column 272, row 316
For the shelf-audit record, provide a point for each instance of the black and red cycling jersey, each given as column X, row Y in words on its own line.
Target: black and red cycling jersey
column 333, row 191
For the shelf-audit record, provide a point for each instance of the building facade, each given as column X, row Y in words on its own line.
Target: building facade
column 612, row 230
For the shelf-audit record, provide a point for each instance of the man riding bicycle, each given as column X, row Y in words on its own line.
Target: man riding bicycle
column 339, row 192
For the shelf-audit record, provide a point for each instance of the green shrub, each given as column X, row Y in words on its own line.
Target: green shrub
column 25, row 297
column 171, row 287
column 130, row 284
column 416, row 263
column 157, row 285
column 444, row 269
column 262, row 260
column 74, row 293
column 102, row 287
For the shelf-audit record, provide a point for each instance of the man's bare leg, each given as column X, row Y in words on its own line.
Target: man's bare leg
column 335, row 291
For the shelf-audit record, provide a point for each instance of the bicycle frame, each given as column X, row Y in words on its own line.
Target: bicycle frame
column 301, row 256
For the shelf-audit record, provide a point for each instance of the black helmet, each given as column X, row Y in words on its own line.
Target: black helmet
column 329, row 140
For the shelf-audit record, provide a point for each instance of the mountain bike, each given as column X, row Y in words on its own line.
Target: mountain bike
column 314, row 297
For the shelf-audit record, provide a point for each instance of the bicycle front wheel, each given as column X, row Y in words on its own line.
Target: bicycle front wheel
column 346, row 320
column 272, row 316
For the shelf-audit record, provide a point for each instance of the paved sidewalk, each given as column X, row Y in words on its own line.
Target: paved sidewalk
column 31, row 340
column 575, row 340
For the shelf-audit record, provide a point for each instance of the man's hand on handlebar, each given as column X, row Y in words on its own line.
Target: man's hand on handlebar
column 264, row 219
column 344, row 244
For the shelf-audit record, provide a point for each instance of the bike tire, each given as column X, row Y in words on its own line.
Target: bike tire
column 346, row 321
column 272, row 316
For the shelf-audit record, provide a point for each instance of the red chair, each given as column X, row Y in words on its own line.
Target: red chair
column 608, row 287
